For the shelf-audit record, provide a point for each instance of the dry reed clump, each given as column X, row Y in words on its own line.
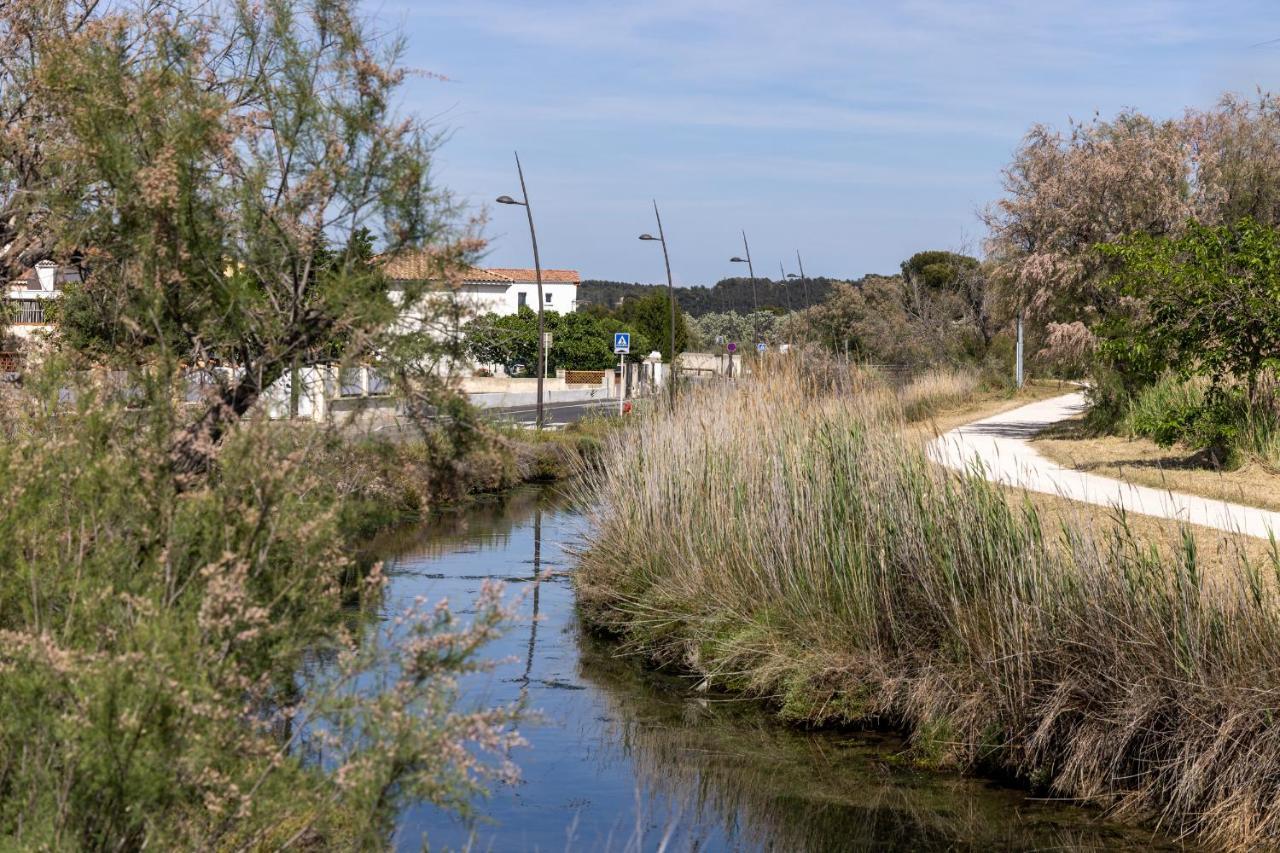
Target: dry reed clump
column 936, row 389
column 785, row 541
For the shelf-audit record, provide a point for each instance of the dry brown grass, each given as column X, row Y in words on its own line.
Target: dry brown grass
column 788, row 541
column 1219, row 554
column 1141, row 461
column 936, row 390
column 1217, row 549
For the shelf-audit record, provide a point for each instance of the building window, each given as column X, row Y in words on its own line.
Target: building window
column 379, row 385
column 350, row 383
column 28, row 311
column 548, row 298
column 522, row 299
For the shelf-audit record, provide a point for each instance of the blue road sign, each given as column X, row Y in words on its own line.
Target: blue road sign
column 621, row 343
column 761, row 347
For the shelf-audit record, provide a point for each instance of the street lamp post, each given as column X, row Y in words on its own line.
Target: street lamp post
column 537, row 268
column 790, row 277
column 786, row 292
column 800, row 263
column 671, row 298
column 755, row 304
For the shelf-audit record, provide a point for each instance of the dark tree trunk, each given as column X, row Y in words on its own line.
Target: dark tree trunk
column 192, row 454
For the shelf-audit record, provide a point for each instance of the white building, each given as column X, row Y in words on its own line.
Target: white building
column 28, row 296
column 497, row 290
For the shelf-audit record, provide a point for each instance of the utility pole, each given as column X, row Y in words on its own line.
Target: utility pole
column 1017, row 368
column 537, row 268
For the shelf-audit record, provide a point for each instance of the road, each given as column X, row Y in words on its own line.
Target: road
column 1000, row 446
column 555, row 413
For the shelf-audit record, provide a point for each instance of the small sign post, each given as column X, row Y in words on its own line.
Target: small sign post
column 761, row 347
column 546, row 348
column 731, row 348
column 622, row 346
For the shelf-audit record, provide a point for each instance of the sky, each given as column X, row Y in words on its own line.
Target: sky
column 855, row 132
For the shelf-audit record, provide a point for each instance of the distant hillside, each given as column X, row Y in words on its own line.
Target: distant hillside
column 729, row 294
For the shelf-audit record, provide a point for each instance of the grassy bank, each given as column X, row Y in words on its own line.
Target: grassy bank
column 380, row 481
column 794, row 545
column 1172, row 438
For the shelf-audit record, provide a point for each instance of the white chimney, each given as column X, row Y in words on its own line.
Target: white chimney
column 47, row 274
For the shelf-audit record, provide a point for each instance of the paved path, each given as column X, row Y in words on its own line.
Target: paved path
column 1000, row 446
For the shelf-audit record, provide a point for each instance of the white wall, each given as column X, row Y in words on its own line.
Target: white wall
column 561, row 298
column 504, row 299
column 42, row 291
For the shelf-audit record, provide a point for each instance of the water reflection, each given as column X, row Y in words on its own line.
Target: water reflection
column 535, row 618
column 625, row 759
column 769, row 787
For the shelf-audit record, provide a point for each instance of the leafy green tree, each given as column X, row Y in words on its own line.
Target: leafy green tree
column 1204, row 302
column 943, row 283
column 937, row 270
column 505, row 339
column 651, row 317
column 580, row 341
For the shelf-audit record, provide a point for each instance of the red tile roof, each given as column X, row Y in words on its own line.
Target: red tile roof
column 419, row 266
column 548, row 276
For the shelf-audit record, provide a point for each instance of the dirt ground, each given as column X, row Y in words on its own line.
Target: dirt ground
column 1138, row 460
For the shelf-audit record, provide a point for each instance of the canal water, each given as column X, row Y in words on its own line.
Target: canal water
column 624, row 759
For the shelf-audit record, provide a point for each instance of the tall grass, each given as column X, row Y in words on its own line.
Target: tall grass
column 936, row 389
column 783, row 540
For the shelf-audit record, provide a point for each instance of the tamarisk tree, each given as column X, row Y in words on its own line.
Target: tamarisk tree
column 215, row 170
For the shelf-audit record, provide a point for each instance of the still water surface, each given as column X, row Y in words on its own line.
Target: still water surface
column 624, row 759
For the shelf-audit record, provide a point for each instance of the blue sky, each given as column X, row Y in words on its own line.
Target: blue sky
column 856, row 132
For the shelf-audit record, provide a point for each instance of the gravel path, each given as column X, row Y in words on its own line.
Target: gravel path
column 1000, row 445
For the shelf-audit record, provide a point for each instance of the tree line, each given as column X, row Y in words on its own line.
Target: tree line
column 728, row 294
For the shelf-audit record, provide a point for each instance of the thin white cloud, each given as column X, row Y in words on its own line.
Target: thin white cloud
column 735, row 108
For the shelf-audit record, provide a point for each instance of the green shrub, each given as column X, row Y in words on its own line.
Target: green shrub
column 1191, row 412
column 1170, row 411
column 152, row 641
